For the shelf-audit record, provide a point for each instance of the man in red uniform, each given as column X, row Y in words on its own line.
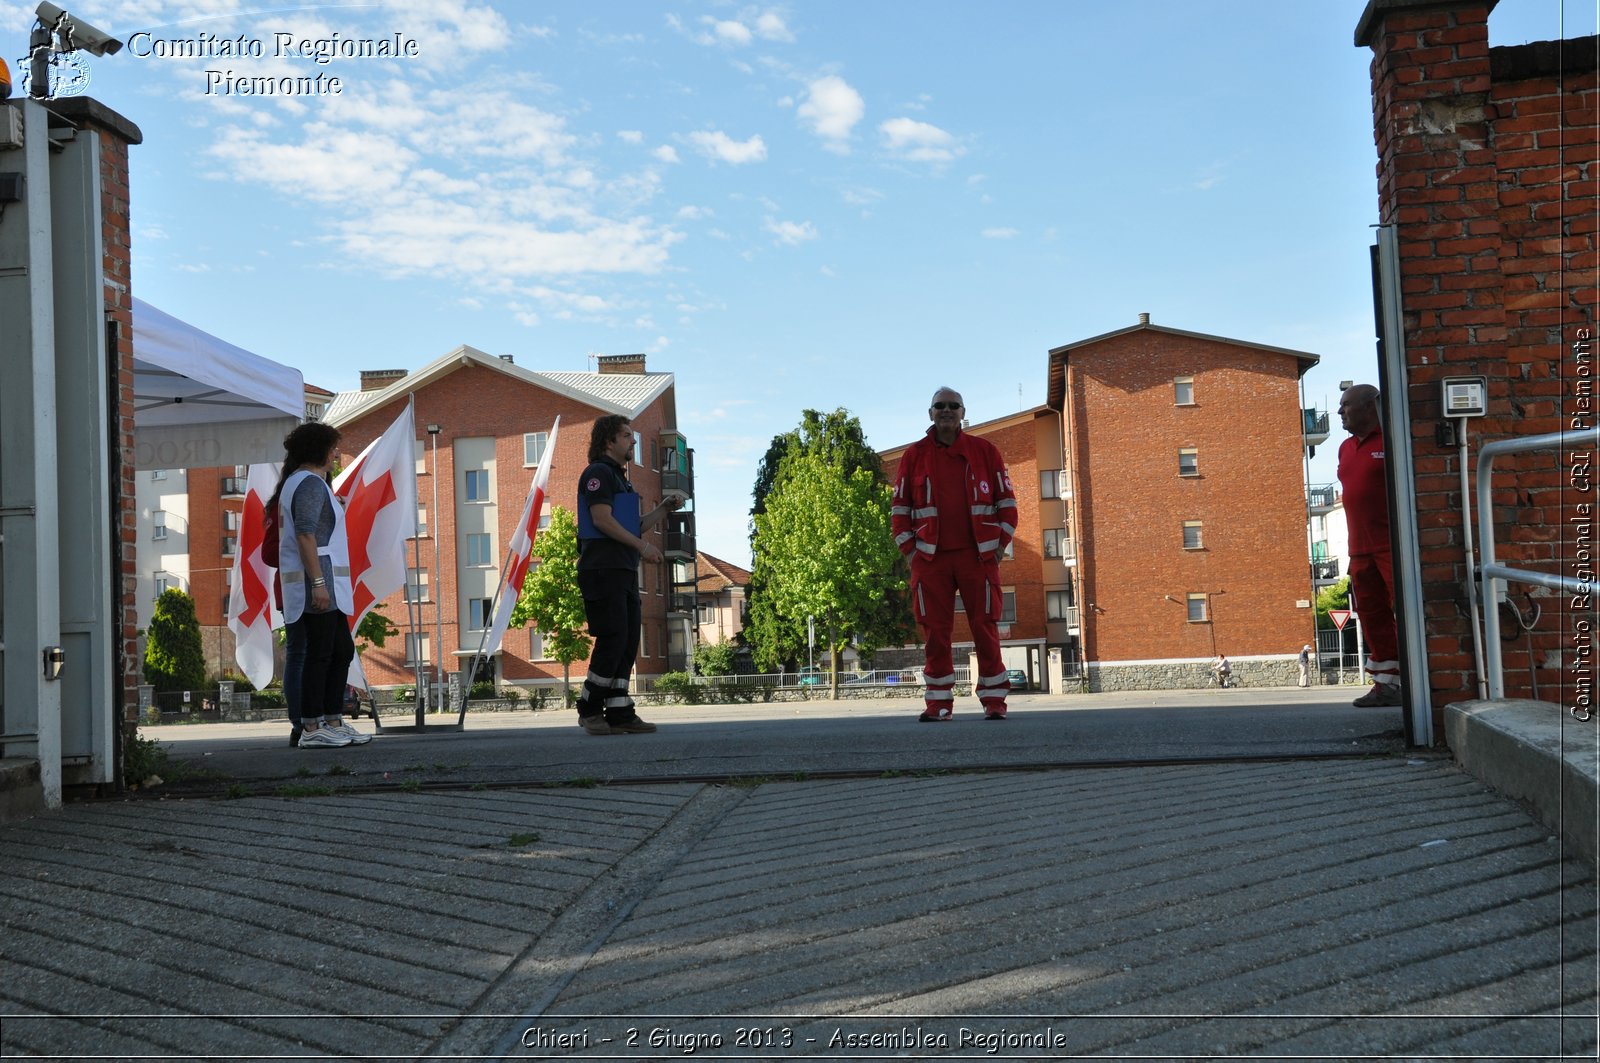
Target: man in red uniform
column 1366, row 508
column 953, row 515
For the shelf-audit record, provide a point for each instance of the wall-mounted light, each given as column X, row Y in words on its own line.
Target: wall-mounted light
column 54, row 658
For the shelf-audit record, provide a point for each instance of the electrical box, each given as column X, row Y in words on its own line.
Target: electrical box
column 1465, row 396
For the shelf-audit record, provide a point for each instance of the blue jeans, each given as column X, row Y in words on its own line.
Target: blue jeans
column 317, row 665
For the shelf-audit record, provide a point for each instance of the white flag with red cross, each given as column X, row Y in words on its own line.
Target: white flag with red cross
column 379, row 492
column 521, row 550
column 252, row 615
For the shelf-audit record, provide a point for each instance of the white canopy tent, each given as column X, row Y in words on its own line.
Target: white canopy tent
column 199, row 401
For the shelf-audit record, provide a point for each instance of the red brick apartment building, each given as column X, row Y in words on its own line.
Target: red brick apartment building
column 1038, row 607
column 1487, row 194
column 1185, row 498
column 493, row 418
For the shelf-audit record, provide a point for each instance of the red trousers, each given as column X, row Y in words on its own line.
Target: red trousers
column 1372, row 578
column 934, row 583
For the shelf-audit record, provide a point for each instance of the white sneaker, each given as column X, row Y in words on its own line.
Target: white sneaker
column 323, row 738
column 357, row 738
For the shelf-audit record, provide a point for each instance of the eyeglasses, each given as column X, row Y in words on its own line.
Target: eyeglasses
column 947, row 406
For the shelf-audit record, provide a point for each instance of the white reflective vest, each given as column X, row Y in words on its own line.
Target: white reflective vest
column 296, row 585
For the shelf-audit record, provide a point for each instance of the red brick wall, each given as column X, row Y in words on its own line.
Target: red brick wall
column 1487, row 170
column 475, row 401
column 208, row 569
column 1125, row 431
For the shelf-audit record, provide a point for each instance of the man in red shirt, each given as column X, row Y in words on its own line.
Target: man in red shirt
column 953, row 515
column 1366, row 507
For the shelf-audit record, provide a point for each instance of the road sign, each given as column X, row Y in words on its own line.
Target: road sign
column 1339, row 617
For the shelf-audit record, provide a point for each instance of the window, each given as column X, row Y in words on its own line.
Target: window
column 1183, row 391
column 478, row 615
column 230, row 520
column 1051, row 483
column 164, row 583
column 1197, row 608
column 417, row 650
column 535, row 646
column 1057, row 605
column 1188, row 462
column 230, row 545
column 416, row 585
column 706, row 615
column 1010, row 551
column 478, row 551
column 477, row 485
column 1191, row 535
column 636, row 451
column 420, row 449
column 533, row 444
column 158, row 524
column 1054, row 540
column 422, row 522
column 158, row 474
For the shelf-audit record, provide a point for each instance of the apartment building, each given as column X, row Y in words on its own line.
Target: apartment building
column 1184, row 503
column 482, row 425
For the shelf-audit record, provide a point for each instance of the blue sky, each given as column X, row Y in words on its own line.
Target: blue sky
column 815, row 204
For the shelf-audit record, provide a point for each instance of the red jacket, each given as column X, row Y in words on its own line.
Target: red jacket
column 993, row 511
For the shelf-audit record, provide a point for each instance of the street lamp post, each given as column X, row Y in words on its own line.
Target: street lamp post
column 438, row 605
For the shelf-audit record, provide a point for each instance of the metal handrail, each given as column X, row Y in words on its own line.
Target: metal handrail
column 1494, row 575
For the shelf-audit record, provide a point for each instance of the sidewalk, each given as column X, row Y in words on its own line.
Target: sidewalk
column 1345, row 906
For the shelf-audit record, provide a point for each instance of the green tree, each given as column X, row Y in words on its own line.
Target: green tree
column 173, row 658
column 775, row 637
column 715, row 658
column 1333, row 596
column 375, row 629
column 550, row 602
column 824, row 548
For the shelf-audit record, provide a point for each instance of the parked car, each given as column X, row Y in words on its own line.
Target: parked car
column 822, row 679
column 1018, row 679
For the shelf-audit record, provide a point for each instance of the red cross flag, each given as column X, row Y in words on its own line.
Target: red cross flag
column 379, row 492
column 251, row 612
column 520, row 554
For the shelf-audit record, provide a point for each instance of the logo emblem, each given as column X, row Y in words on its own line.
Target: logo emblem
column 593, row 484
column 983, row 486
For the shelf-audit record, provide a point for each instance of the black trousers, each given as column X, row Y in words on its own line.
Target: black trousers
column 611, row 605
column 322, row 643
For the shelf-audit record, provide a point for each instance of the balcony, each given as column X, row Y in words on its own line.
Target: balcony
column 233, row 487
column 679, row 535
column 1322, row 497
column 1314, row 426
column 1325, row 570
column 677, row 465
column 681, row 603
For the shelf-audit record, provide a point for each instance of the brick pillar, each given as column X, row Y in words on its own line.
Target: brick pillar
column 1437, row 187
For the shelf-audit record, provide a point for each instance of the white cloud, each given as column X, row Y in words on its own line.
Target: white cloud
column 919, row 141
column 736, row 32
column 770, row 26
column 999, row 234
column 728, row 31
column 630, row 136
column 718, row 145
column 792, row 233
column 693, row 213
column 832, row 108
column 666, row 153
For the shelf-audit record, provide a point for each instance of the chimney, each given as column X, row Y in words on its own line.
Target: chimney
column 632, row 364
column 508, row 359
column 378, row 379
column 1144, row 319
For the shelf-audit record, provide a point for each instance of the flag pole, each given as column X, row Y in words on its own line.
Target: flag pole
column 483, row 638
column 419, row 692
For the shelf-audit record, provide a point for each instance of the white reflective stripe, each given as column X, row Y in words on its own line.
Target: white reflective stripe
column 988, row 546
column 618, row 703
column 938, row 680
column 620, row 684
column 982, row 511
column 904, row 537
column 927, row 491
column 1007, row 502
column 1008, row 529
column 926, row 548
column 921, row 607
column 922, row 512
column 900, row 511
column 1382, row 666
column 1387, row 679
column 938, row 695
column 599, row 680
column 991, row 680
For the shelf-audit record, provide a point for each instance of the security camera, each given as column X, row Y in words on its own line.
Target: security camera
column 74, row 33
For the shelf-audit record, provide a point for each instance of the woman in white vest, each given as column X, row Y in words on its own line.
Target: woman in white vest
column 314, row 567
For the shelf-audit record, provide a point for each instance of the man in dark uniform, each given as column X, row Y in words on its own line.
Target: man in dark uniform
column 610, row 545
